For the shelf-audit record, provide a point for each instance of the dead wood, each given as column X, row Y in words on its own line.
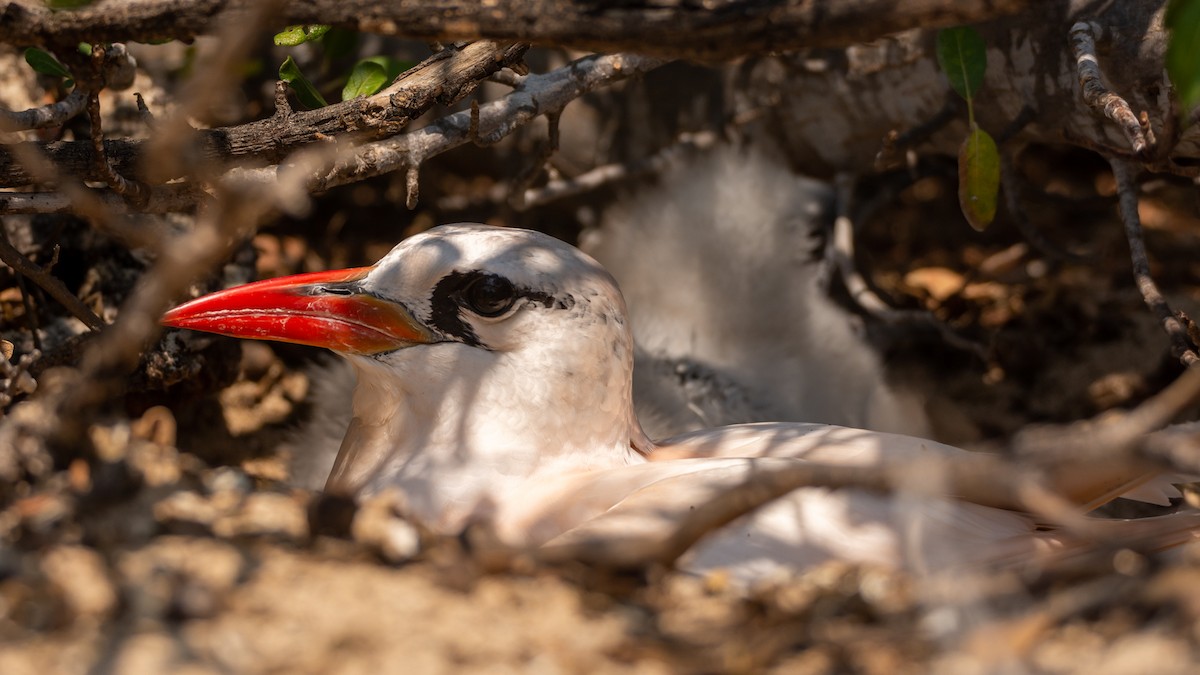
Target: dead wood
column 443, row 79
column 720, row 30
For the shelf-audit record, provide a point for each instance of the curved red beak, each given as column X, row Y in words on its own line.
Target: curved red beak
column 321, row 309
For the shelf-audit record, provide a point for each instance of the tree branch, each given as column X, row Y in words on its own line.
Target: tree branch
column 46, row 115
column 443, row 78
column 1181, row 347
column 717, row 30
column 49, row 283
column 537, row 95
column 1100, row 98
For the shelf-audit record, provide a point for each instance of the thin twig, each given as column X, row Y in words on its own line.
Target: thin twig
column 135, row 191
column 840, row 250
column 49, row 283
column 508, row 78
column 170, row 198
column 612, row 173
column 45, row 116
column 540, row 95
column 896, row 141
column 1099, row 97
column 144, row 110
column 1127, row 189
column 442, row 79
column 26, row 302
column 526, row 177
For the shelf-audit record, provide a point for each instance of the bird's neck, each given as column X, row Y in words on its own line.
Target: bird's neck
column 457, row 437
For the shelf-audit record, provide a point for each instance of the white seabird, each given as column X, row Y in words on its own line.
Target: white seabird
column 494, row 373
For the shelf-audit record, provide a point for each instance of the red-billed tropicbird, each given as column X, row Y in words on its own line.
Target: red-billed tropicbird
column 494, row 371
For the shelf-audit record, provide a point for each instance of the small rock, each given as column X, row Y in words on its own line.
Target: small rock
column 939, row 282
column 379, row 526
column 227, row 479
column 82, row 577
column 186, row 512
column 266, row 514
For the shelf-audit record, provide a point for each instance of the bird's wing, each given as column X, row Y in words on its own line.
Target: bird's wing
column 692, row 512
column 1087, row 483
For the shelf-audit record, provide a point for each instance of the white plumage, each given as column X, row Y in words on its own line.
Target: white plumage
column 503, row 392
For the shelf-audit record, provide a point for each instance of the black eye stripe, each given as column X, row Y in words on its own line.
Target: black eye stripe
column 444, row 314
column 450, row 302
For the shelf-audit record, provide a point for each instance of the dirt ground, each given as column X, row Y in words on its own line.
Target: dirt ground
column 184, row 550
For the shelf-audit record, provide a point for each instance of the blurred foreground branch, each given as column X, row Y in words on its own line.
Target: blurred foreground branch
column 694, row 30
column 443, row 78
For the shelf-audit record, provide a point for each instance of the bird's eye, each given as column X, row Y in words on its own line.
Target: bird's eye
column 490, row 295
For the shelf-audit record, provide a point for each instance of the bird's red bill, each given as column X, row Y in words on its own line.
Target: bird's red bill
column 321, row 309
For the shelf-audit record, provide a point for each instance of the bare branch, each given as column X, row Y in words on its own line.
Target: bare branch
column 83, row 200
column 526, row 177
column 443, row 78
column 896, row 141
column 49, row 283
column 44, row 116
column 696, row 30
column 1099, row 97
column 839, row 249
column 160, row 199
column 538, row 95
column 1127, row 191
column 119, row 184
column 611, row 173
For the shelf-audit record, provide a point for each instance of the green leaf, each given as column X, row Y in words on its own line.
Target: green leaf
column 84, row 48
column 978, row 178
column 305, row 91
column 1183, row 50
column 393, row 67
column 962, row 55
column 372, row 74
column 298, row 35
column 367, row 78
column 44, row 62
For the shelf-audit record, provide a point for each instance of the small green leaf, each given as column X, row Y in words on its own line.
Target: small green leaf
column 44, row 62
column 978, row 178
column 1183, row 64
column 84, row 48
column 298, row 35
column 393, row 67
column 305, row 91
column 962, row 55
column 367, row 78
column 371, row 75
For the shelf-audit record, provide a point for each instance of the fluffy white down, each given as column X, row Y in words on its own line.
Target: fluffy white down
column 717, row 265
